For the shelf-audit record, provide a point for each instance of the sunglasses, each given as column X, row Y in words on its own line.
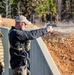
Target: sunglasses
column 24, row 23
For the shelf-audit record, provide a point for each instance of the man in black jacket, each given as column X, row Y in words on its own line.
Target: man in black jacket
column 17, row 38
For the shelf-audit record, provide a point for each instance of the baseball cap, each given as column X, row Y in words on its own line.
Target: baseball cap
column 21, row 18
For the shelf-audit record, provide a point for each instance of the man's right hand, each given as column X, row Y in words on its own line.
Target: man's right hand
column 49, row 29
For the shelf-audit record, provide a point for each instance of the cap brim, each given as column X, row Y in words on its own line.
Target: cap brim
column 27, row 22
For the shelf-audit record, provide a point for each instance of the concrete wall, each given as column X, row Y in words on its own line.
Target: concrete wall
column 38, row 64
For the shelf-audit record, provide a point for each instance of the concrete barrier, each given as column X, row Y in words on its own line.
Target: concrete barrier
column 6, row 50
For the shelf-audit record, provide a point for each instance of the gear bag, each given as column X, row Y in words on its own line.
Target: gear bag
column 27, row 45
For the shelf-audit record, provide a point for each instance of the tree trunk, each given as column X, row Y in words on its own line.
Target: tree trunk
column 18, row 8
column 59, row 8
column 6, row 8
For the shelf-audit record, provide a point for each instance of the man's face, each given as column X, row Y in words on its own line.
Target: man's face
column 23, row 25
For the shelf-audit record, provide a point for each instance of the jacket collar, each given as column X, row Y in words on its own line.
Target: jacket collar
column 13, row 27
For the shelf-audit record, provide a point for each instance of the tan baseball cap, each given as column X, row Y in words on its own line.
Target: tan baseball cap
column 21, row 18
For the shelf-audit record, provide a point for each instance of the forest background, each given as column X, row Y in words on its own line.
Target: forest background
column 44, row 10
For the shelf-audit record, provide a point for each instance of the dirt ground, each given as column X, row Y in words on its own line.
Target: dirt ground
column 11, row 22
column 61, row 48
column 59, row 44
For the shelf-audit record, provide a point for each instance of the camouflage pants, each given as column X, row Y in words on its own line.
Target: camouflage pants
column 22, row 70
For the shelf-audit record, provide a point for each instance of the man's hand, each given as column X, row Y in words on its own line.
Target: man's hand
column 49, row 29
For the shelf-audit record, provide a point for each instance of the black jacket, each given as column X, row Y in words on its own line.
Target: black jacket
column 17, row 39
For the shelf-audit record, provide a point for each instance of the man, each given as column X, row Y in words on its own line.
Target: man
column 17, row 38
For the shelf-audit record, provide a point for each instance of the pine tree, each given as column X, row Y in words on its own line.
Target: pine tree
column 46, row 7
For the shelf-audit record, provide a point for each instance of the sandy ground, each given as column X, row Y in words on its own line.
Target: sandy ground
column 60, row 44
column 11, row 22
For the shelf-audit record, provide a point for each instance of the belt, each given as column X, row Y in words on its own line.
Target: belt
column 16, row 48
